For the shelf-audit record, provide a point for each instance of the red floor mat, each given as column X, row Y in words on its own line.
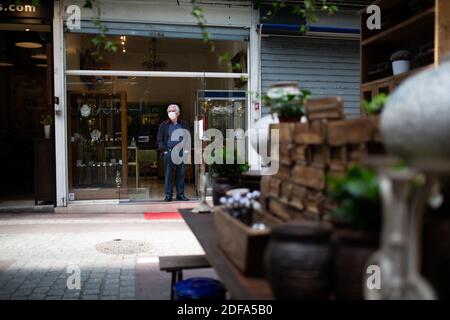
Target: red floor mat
column 162, row 215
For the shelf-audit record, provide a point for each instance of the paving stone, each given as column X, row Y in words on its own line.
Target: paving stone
column 37, row 296
column 41, row 258
column 58, row 297
column 19, row 298
column 22, row 292
column 91, row 291
column 8, row 290
column 126, row 281
column 70, row 296
column 94, row 280
column 110, row 292
column 56, row 291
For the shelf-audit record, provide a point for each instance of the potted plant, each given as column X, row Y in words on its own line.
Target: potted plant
column 46, row 121
column 357, row 221
column 373, row 109
column 401, row 61
column 287, row 101
column 376, row 105
column 225, row 175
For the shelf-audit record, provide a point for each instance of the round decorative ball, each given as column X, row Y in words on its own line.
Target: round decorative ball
column 415, row 123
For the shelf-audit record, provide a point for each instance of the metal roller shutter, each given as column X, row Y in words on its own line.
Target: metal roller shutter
column 326, row 67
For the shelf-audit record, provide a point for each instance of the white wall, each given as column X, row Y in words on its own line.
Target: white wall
column 220, row 13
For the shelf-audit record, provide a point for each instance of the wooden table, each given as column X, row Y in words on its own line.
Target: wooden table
column 239, row 286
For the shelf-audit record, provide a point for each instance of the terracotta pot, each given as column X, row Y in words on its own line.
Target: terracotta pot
column 282, row 89
column 290, row 119
column 220, row 186
column 352, row 249
column 297, row 261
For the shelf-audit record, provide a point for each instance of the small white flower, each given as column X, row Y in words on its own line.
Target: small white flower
column 275, row 93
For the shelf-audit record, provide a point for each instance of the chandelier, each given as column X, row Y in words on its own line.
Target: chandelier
column 154, row 62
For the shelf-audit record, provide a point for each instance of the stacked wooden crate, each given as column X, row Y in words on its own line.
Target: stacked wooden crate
column 326, row 145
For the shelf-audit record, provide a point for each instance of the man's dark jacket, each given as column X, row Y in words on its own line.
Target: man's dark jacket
column 163, row 133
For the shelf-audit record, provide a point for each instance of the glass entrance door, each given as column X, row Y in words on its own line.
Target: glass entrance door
column 221, row 110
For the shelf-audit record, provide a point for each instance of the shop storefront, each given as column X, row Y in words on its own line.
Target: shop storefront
column 26, row 99
column 109, row 109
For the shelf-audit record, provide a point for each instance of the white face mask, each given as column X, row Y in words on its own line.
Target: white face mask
column 172, row 115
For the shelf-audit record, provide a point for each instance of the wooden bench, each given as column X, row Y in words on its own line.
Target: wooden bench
column 176, row 264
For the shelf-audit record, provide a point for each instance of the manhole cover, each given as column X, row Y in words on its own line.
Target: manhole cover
column 123, row 247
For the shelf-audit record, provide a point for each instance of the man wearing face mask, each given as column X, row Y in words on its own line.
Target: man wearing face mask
column 166, row 145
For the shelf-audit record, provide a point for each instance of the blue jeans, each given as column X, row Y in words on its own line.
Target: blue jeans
column 168, row 176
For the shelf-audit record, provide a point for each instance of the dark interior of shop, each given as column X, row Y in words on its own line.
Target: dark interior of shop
column 24, row 86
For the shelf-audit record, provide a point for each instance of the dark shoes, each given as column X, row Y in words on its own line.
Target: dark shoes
column 179, row 198
column 182, row 198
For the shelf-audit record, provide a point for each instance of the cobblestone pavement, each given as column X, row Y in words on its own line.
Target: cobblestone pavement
column 39, row 253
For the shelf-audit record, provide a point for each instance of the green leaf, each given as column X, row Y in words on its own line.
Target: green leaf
column 88, row 4
column 376, row 105
column 96, row 41
column 357, row 194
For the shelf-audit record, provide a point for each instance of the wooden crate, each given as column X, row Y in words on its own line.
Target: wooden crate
column 319, row 156
column 301, row 154
column 286, row 132
column 353, row 131
column 284, row 172
column 265, row 185
column 330, row 108
column 309, row 177
column 376, row 134
column 310, row 133
column 337, row 158
column 314, row 202
column 356, row 152
column 283, row 210
column 244, row 246
column 268, row 218
column 275, row 187
column 298, row 195
column 286, row 191
column 286, row 154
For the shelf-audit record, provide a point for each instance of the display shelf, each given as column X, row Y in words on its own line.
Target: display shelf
column 411, row 26
column 401, row 31
column 89, row 164
column 396, row 78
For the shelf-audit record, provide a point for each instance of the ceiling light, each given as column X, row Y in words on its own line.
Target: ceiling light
column 39, row 56
column 27, row 29
column 29, row 45
column 5, row 64
column 154, row 62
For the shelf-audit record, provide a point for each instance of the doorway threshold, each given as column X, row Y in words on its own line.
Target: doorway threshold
column 116, row 206
column 27, row 209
